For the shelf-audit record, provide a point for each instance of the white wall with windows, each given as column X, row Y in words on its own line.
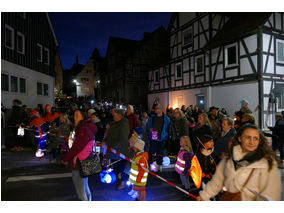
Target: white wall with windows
column 29, row 86
column 85, row 80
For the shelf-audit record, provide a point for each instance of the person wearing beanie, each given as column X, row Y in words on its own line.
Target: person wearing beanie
column 138, row 176
column 244, row 109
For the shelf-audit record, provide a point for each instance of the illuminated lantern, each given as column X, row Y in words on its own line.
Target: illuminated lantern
column 154, row 167
column 107, row 176
column 128, row 183
column 166, row 161
column 39, row 153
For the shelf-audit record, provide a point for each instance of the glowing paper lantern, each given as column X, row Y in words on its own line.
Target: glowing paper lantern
column 39, row 153
column 154, row 167
column 166, row 161
column 107, row 176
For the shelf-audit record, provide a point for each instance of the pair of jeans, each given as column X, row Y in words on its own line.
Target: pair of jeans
column 119, row 167
column 157, row 147
column 185, row 181
column 81, row 186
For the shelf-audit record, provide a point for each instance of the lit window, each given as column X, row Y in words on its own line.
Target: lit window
column 4, row 82
column 20, row 43
column 46, row 56
column 231, row 55
column 199, row 64
column 9, row 37
column 187, row 37
column 178, row 71
column 280, row 51
column 39, row 52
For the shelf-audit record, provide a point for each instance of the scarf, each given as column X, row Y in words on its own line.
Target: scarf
column 248, row 159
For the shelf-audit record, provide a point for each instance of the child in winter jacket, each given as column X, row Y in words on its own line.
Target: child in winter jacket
column 207, row 157
column 183, row 162
column 138, row 176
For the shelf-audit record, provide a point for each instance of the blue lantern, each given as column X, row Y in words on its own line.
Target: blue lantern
column 107, row 176
column 166, row 161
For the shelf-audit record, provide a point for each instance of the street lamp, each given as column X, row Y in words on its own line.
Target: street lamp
column 75, row 81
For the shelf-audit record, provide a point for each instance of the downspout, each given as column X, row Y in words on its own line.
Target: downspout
column 260, row 77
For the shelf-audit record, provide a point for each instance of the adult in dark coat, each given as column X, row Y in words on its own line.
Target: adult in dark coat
column 178, row 128
column 15, row 119
column 203, row 127
column 132, row 119
column 116, row 137
column 228, row 132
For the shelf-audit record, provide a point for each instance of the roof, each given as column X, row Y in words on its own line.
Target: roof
column 238, row 25
column 52, row 30
column 122, row 44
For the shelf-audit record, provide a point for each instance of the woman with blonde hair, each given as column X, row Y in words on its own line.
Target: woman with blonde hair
column 249, row 172
column 203, row 127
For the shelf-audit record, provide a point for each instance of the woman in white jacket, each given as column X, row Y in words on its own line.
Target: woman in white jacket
column 250, row 168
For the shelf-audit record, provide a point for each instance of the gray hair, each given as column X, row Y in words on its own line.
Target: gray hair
column 229, row 120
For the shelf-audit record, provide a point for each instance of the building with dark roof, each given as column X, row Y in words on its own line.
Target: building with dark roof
column 28, row 48
column 219, row 59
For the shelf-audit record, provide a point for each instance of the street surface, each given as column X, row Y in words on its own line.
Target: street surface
column 27, row 178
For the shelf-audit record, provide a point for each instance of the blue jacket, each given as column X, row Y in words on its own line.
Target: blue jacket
column 165, row 131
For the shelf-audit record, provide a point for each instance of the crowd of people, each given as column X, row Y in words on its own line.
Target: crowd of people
column 230, row 151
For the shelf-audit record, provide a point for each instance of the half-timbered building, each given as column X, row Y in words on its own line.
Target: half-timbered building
column 28, row 45
column 218, row 59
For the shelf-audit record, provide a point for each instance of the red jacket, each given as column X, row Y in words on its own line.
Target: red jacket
column 49, row 117
column 133, row 123
column 142, row 162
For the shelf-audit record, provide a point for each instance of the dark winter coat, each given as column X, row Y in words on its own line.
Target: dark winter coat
column 133, row 123
column 221, row 145
column 198, row 132
column 215, row 124
column 84, row 134
column 117, row 137
column 178, row 128
column 17, row 116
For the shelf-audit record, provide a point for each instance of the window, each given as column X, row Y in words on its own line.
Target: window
column 280, row 51
column 85, row 89
column 199, row 65
column 4, row 82
column 39, row 52
column 187, row 37
column 9, row 37
column 279, row 93
column 231, row 54
column 39, row 88
column 45, row 89
column 14, row 84
column 46, row 56
column 157, row 76
column 178, row 71
column 20, row 43
column 22, row 85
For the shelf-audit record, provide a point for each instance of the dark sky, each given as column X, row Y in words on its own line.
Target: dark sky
column 80, row 33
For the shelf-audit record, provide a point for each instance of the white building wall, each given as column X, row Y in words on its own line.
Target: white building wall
column 230, row 97
column 30, row 98
column 86, row 88
column 162, row 97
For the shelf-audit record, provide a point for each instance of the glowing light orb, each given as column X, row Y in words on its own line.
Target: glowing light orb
column 39, row 153
column 166, row 161
column 107, row 176
column 154, row 167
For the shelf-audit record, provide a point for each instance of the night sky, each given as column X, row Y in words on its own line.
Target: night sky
column 80, row 33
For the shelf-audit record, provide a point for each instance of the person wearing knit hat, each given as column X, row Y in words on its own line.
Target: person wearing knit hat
column 90, row 112
column 138, row 176
column 245, row 109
